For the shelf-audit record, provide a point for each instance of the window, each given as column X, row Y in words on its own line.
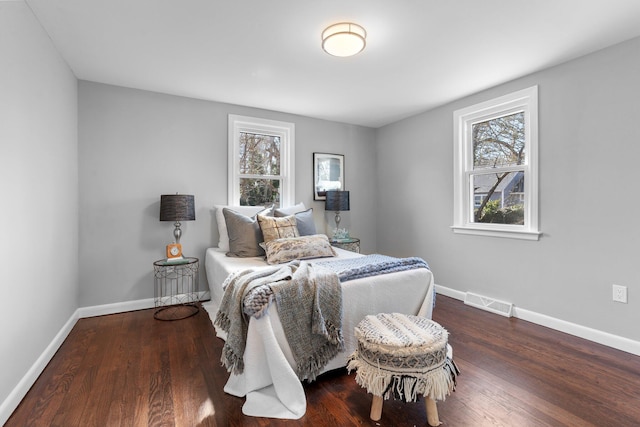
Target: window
column 261, row 155
column 495, row 167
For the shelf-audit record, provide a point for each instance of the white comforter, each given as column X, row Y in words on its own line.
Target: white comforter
column 269, row 382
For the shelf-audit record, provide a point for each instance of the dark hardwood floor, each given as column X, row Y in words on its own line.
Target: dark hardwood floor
column 132, row 370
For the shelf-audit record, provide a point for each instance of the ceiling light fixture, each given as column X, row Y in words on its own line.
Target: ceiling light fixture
column 344, row 39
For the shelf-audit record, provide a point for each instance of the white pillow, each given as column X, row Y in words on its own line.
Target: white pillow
column 223, row 243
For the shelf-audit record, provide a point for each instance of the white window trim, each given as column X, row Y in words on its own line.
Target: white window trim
column 525, row 100
column 286, row 132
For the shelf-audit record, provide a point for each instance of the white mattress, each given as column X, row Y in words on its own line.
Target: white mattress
column 408, row 292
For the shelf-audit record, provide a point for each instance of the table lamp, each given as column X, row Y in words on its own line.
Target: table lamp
column 337, row 201
column 176, row 207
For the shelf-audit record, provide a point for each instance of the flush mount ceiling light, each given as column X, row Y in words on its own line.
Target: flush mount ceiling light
column 344, row 39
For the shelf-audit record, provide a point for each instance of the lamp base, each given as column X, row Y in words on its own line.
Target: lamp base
column 337, row 219
column 177, row 231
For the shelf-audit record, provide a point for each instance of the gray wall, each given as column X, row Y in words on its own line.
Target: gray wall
column 39, row 180
column 589, row 151
column 137, row 145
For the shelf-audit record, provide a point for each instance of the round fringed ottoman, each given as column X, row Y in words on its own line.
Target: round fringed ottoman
column 403, row 357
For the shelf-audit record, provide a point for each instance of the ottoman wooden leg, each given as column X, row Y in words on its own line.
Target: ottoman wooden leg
column 432, row 412
column 376, row 408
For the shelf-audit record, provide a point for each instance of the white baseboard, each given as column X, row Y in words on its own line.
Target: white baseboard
column 17, row 394
column 604, row 338
column 122, row 307
column 117, row 307
column 600, row 337
column 448, row 292
column 19, row 391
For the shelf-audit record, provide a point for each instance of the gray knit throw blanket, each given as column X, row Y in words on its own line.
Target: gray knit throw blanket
column 309, row 302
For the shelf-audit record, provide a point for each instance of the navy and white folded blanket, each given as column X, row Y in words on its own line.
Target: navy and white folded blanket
column 371, row 265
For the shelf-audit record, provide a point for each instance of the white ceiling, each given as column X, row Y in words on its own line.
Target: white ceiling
column 267, row 54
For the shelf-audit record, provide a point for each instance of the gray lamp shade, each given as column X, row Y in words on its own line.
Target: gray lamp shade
column 337, row 201
column 177, row 207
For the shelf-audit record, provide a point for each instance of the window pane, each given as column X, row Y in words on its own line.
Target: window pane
column 499, row 142
column 259, row 154
column 256, row 192
column 498, row 198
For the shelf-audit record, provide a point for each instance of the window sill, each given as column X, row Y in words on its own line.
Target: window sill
column 510, row 234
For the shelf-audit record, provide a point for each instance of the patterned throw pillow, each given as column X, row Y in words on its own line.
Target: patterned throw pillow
column 278, row 228
column 303, row 247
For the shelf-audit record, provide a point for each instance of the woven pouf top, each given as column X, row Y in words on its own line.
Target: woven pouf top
column 402, row 356
column 400, row 333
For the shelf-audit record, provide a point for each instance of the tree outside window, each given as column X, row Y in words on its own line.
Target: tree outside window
column 260, row 180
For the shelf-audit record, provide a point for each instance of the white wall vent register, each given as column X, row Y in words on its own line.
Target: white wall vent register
column 489, row 304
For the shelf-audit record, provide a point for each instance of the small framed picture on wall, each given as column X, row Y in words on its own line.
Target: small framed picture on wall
column 328, row 174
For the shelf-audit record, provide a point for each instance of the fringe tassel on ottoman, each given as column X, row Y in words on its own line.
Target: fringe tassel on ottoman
column 437, row 383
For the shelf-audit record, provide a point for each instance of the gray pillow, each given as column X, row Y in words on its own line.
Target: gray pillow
column 245, row 235
column 290, row 210
column 304, row 219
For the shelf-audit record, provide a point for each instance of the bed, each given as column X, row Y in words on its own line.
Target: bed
column 268, row 381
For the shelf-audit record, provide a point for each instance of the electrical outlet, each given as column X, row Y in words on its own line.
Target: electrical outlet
column 620, row 293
